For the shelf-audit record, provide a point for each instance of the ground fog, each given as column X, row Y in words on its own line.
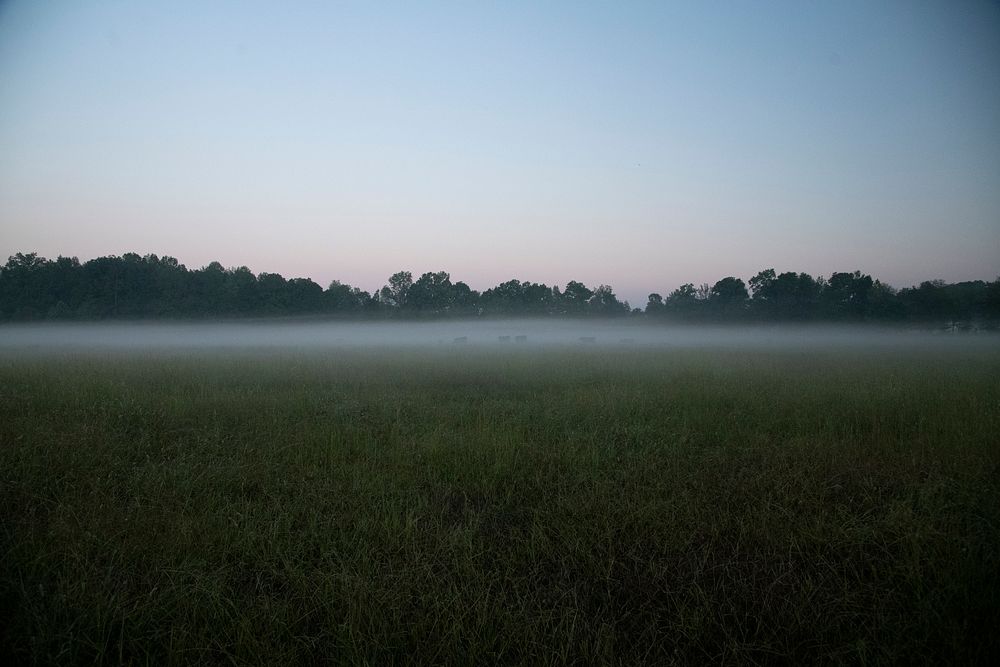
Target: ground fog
column 491, row 334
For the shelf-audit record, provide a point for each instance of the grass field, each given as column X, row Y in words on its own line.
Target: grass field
column 472, row 506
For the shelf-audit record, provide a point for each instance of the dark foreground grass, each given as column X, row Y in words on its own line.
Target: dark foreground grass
column 472, row 507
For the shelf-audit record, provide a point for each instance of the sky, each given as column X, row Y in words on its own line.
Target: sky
column 641, row 145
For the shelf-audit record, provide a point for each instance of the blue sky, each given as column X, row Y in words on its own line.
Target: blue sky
column 638, row 144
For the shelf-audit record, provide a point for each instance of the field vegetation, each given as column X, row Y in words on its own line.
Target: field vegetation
column 467, row 505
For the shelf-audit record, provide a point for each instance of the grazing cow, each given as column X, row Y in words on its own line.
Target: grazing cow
column 504, row 339
column 587, row 339
column 520, row 339
column 461, row 340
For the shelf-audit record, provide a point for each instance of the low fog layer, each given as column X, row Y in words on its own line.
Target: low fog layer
column 479, row 333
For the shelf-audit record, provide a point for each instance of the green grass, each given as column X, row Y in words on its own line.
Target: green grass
column 532, row 506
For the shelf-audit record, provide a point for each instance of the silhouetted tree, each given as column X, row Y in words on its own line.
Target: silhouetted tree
column 846, row 295
column 516, row 298
column 343, row 299
column 464, row 300
column 134, row 286
column 604, row 302
column 991, row 300
column 654, row 305
column 788, row 296
column 432, row 293
column 574, row 299
column 395, row 293
column 728, row 297
column 683, row 302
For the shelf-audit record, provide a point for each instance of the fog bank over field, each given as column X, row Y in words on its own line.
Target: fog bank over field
column 486, row 334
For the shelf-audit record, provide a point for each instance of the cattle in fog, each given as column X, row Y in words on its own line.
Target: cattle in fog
column 41, row 338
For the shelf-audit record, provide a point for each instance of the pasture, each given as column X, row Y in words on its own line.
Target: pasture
column 471, row 504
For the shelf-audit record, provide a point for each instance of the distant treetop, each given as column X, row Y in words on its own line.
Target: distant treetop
column 131, row 286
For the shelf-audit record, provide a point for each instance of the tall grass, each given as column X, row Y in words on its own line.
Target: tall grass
column 473, row 506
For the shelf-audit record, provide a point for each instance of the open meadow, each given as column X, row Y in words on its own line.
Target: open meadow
column 551, row 504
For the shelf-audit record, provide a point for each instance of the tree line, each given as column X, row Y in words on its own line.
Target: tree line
column 131, row 286
column 844, row 296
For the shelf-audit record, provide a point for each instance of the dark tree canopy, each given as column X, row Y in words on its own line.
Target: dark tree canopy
column 131, row 286
column 729, row 295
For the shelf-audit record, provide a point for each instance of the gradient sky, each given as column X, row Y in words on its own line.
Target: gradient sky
column 638, row 144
